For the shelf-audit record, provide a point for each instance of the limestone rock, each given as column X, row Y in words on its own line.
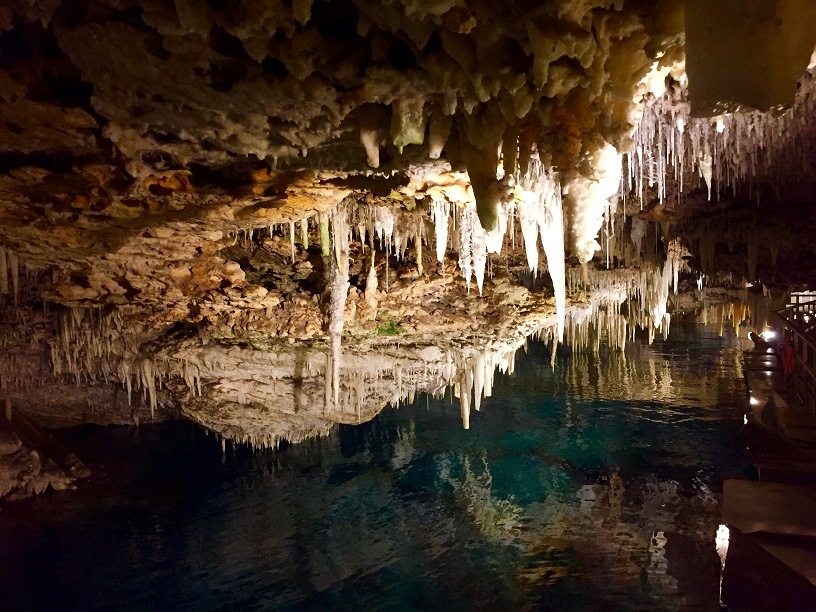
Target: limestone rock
column 10, row 442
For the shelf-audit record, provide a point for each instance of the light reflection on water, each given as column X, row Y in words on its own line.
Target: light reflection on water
column 594, row 485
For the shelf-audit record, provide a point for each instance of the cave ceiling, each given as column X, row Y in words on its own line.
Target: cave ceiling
column 216, row 170
column 163, row 128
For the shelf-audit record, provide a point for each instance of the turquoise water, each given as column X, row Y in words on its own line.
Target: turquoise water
column 594, row 485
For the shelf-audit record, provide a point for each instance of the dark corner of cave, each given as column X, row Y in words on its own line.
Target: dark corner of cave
column 354, row 304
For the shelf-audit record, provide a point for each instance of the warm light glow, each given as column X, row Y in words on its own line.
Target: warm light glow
column 807, row 318
column 720, row 125
column 768, row 334
column 721, row 543
column 754, row 401
column 723, row 536
column 744, row 419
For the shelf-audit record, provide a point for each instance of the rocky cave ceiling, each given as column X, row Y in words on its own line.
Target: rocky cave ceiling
column 200, row 198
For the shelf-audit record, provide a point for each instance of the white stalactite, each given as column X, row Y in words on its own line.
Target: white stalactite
column 541, row 214
column 727, row 151
column 339, row 292
column 586, row 198
column 440, row 210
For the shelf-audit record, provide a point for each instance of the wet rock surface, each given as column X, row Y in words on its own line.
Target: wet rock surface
column 272, row 217
column 10, row 442
column 24, row 472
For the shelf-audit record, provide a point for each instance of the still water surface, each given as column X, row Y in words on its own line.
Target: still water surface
column 594, row 485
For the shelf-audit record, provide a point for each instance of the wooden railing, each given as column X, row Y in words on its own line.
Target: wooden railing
column 800, row 319
column 801, row 297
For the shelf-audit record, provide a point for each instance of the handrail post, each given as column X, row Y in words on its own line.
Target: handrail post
column 804, row 343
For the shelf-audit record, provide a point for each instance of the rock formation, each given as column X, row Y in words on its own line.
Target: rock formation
column 274, row 216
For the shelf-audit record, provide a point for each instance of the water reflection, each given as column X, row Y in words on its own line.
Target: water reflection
column 669, row 372
column 598, row 497
column 260, row 389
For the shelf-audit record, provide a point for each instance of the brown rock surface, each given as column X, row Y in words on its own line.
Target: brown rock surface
column 170, row 174
column 10, row 442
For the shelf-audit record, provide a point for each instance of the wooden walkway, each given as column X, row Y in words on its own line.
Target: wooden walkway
column 772, row 555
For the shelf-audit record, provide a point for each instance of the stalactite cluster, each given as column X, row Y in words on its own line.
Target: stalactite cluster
column 279, row 188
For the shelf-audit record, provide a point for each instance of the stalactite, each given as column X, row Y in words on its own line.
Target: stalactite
column 586, row 198
column 732, row 151
column 467, row 220
column 464, row 398
column 753, row 247
column 371, row 283
column 14, row 264
column 304, row 233
column 4, row 284
column 528, row 221
column 370, row 138
column 482, row 164
column 325, row 240
column 148, row 375
column 339, row 292
column 478, row 380
column 541, row 214
column 440, row 210
column 438, row 133
column 418, row 245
